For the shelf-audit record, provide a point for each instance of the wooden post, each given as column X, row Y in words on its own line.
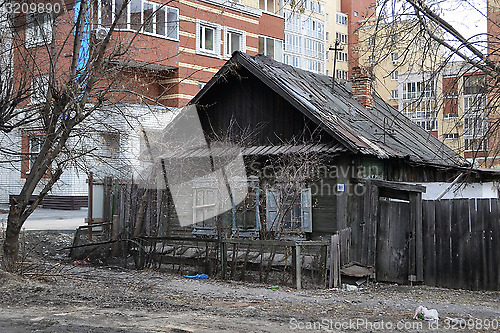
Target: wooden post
column 298, row 267
column 223, row 258
column 334, row 280
column 114, row 236
column 91, row 203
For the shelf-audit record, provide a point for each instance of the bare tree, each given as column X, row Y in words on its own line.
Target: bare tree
column 56, row 76
column 456, row 70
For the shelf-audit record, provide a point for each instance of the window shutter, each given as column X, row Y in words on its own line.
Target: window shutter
column 271, row 209
column 306, row 210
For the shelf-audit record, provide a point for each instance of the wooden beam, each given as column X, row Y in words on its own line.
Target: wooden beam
column 398, row 186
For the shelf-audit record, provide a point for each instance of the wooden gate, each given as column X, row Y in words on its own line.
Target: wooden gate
column 393, row 238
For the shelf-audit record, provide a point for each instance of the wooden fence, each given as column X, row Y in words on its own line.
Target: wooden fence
column 461, row 243
column 459, row 240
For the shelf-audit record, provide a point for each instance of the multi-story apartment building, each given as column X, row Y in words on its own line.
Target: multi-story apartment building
column 337, row 30
column 305, row 23
column 395, row 52
column 464, row 125
column 356, row 11
column 161, row 53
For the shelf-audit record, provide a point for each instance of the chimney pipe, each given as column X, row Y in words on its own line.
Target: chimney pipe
column 362, row 90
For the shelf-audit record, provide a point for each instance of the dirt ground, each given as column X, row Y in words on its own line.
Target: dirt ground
column 57, row 295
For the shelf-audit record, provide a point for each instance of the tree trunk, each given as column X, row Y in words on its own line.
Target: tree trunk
column 11, row 239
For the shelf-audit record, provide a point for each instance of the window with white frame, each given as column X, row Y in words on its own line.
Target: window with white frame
column 341, row 18
column 450, row 136
column 292, row 21
column 289, row 210
column 292, row 60
column 293, row 43
column 35, row 146
column 394, row 58
column 341, row 74
column 394, row 76
column 313, row 28
column 342, row 38
column 371, row 41
column 394, row 94
column 140, row 15
column 207, row 38
column 271, row 47
column 39, row 88
column 234, row 40
column 342, row 56
column 371, row 60
column 475, row 103
column 110, row 145
column 272, row 6
column 475, row 144
column 38, row 29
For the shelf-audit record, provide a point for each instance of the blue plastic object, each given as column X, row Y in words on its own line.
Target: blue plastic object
column 197, row 276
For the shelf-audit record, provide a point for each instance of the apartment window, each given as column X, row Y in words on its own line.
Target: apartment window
column 394, row 58
column 341, row 18
column 450, row 115
column 394, row 39
column 394, row 94
column 39, row 88
column 208, row 40
column 273, row 48
column 342, row 38
column 340, row 74
column 450, row 136
column 234, row 40
column 371, row 41
column 313, row 28
column 293, row 43
column 272, row 6
column 474, row 84
column 475, row 126
column 394, row 76
column 140, row 15
column 292, row 60
column 474, row 103
column 371, row 60
column 478, row 144
column 38, row 29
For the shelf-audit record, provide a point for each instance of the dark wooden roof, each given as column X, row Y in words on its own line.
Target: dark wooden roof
column 381, row 131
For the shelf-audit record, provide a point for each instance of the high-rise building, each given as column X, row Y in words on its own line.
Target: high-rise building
column 305, row 23
column 356, row 11
column 337, row 30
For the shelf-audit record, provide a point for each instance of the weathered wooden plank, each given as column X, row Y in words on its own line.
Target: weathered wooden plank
column 463, row 243
column 495, row 228
column 374, row 207
column 455, row 237
column 483, row 208
column 383, row 260
column 429, row 230
column 476, row 226
column 488, row 245
column 419, row 252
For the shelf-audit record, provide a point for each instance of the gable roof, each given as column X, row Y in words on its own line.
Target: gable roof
column 383, row 131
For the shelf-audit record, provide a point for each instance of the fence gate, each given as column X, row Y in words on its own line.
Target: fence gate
column 393, row 239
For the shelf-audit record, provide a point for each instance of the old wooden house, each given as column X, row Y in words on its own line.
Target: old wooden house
column 269, row 151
